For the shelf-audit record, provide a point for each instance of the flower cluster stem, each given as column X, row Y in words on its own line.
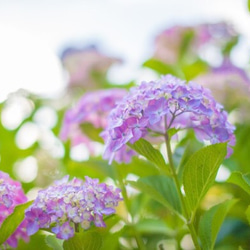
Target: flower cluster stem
column 177, row 183
column 138, row 237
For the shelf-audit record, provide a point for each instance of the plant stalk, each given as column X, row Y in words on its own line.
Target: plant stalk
column 137, row 235
column 177, row 183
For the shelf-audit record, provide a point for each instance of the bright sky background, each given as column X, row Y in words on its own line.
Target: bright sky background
column 33, row 32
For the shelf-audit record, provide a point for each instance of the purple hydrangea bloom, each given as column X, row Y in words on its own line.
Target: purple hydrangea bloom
column 230, row 86
column 11, row 195
column 66, row 203
column 92, row 108
column 154, row 107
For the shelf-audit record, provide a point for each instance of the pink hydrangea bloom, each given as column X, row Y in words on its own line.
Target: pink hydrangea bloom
column 168, row 44
column 83, row 63
column 11, row 195
column 154, row 107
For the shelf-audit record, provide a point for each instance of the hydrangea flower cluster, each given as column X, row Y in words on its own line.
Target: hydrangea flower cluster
column 68, row 204
column 230, row 85
column 155, row 107
column 11, row 195
column 92, row 108
column 168, row 44
column 83, row 63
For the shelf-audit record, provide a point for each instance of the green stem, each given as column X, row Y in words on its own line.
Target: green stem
column 76, row 227
column 139, row 241
column 138, row 238
column 122, row 187
column 177, row 183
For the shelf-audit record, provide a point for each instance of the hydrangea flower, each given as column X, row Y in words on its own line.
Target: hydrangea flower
column 92, row 108
column 157, row 106
column 11, row 195
column 169, row 43
column 83, row 63
column 230, row 86
column 66, row 204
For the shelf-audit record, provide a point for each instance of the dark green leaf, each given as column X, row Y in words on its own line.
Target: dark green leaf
column 248, row 214
column 11, row 223
column 53, row 242
column 241, row 180
column 160, row 188
column 84, row 241
column 200, row 172
column 92, row 132
column 211, row 221
column 145, row 149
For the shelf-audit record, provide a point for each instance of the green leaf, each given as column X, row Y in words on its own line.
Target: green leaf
column 11, row 223
column 241, row 180
column 172, row 132
column 194, row 69
column 248, row 5
column 84, row 241
column 211, row 221
column 154, row 226
column 185, row 43
column 92, row 132
column 111, row 241
column 160, row 188
column 145, row 149
column 161, row 67
column 230, row 45
column 53, row 242
column 200, row 172
column 248, row 214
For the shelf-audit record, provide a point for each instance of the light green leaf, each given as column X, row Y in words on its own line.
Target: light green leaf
column 196, row 68
column 241, row 180
column 248, row 5
column 11, row 223
column 160, row 67
column 160, row 188
column 111, row 241
column 210, row 223
column 154, row 226
column 84, row 241
column 186, row 41
column 145, row 149
column 200, row 172
column 53, row 242
column 172, row 132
